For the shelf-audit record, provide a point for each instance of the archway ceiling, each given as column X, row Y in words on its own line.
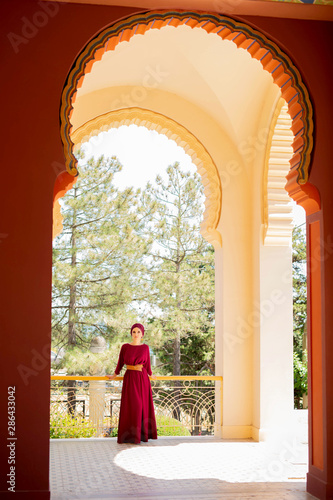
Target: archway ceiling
column 225, row 82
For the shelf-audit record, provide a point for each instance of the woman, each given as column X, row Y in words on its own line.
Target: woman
column 137, row 418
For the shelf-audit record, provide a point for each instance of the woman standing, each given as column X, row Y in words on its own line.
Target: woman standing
column 136, row 418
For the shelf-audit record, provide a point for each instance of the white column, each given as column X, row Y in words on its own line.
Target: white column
column 234, row 333
column 218, row 342
column 276, row 341
column 96, row 404
column 97, row 387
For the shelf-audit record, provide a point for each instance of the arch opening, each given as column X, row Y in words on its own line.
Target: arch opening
column 196, row 199
column 191, row 145
column 285, row 75
column 298, row 108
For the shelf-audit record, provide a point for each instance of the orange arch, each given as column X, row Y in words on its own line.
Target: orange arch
column 273, row 60
column 64, row 182
column 191, row 145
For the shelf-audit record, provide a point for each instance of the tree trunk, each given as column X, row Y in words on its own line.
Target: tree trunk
column 176, row 355
column 71, row 397
column 72, row 290
column 176, row 371
column 176, row 343
column 71, row 322
column 176, row 351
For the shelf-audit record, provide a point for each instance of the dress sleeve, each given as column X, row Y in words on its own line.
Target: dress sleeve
column 148, row 367
column 120, row 361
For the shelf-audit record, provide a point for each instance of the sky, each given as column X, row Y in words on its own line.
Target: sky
column 144, row 154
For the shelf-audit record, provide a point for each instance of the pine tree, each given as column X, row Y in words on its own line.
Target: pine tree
column 299, row 315
column 98, row 256
column 182, row 269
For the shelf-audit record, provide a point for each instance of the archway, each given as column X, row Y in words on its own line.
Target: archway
column 173, row 130
column 273, row 60
column 283, row 73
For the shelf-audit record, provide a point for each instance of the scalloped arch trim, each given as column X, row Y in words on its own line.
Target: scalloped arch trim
column 277, row 209
column 191, row 145
column 273, row 60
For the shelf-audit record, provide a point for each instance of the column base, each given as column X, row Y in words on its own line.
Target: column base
column 240, row 432
column 319, row 488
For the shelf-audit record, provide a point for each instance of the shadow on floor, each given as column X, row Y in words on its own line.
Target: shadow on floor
column 173, row 469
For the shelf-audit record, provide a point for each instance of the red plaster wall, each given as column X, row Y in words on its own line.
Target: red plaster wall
column 31, row 83
column 315, row 347
column 310, row 45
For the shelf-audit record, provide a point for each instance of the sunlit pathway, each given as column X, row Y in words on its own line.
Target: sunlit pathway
column 178, row 469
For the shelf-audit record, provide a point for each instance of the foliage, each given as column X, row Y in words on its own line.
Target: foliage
column 166, row 426
column 299, row 314
column 299, row 286
column 78, row 361
column 113, row 432
column 197, row 354
column 182, row 266
column 127, row 254
column 97, row 257
column 110, row 427
column 65, row 426
column 300, row 374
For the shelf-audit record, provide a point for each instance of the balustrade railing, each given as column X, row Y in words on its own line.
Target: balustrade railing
column 89, row 406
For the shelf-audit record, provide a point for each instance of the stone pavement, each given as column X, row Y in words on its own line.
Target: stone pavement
column 178, row 468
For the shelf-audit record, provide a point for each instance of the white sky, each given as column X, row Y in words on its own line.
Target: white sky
column 144, row 154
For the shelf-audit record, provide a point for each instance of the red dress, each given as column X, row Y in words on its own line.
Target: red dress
column 137, row 417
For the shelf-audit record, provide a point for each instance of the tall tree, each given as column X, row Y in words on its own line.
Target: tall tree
column 98, row 256
column 299, row 314
column 182, row 270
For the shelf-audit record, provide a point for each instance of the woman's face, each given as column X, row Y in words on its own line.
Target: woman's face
column 137, row 334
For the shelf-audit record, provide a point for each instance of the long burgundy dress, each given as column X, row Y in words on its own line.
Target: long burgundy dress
column 137, row 417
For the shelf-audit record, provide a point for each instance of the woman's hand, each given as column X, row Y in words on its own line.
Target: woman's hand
column 111, row 377
column 152, row 377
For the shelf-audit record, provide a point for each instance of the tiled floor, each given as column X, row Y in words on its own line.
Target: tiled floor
column 178, row 469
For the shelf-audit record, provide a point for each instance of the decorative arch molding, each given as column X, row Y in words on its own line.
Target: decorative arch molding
column 64, row 183
column 273, row 60
column 277, row 208
column 191, row 145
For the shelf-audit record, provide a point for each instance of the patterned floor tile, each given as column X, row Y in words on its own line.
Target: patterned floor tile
column 177, row 469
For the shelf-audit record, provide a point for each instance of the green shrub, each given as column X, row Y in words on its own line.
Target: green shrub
column 64, row 426
column 110, row 427
column 300, row 378
column 167, row 426
column 113, row 432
